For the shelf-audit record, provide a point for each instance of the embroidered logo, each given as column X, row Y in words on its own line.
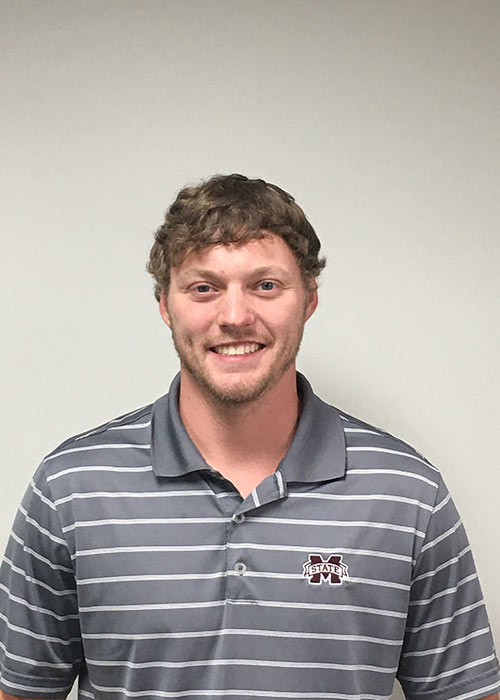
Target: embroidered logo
column 331, row 569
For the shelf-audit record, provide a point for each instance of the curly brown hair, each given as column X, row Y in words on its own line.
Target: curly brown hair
column 230, row 209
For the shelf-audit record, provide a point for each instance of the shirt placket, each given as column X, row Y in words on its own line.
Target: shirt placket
column 237, row 511
column 271, row 489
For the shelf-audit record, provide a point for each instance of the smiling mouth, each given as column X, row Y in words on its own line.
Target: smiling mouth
column 237, row 349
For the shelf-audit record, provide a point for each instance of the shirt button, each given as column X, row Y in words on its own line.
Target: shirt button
column 239, row 568
column 238, row 519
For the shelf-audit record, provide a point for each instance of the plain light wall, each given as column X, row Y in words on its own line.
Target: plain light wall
column 382, row 118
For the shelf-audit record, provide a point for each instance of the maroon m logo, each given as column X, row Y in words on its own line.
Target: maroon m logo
column 331, row 569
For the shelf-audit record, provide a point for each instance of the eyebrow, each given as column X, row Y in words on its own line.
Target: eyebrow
column 265, row 271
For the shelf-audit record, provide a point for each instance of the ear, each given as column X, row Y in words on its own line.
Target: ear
column 312, row 302
column 164, row 308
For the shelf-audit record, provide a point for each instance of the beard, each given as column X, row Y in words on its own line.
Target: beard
column 244, row 390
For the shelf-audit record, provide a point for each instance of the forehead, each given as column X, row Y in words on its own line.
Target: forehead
column 257, row 252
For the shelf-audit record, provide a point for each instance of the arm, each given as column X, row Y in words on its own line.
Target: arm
column 6, row 696
column 38, row 603
column 448, row 646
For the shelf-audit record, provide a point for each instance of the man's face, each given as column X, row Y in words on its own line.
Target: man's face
column 237, row 315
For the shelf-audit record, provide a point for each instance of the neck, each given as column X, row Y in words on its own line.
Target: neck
column 256, row 435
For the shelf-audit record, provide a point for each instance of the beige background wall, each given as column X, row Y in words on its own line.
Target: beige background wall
column 382, row 117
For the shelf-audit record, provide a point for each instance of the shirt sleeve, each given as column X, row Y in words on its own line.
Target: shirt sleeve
column 40, row 645
column 448, row 651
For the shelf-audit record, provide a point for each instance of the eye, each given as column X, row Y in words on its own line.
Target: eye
column 267, row 286
column 202, row 288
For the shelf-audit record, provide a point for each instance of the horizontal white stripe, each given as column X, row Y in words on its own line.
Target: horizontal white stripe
column 385, row 450
column 447, row 591
column 226, row 494
column 388, row 472
column 274, row 574
column 43, row 637
column 110, row 446
column 451, row 672
column 263, row 663
column 205, row 492
column 144, row 521
column 238, row 692
column 445, row 565
column 318, row 606
column 36, row 689
column 85, row 693
column 441, row 537
column 36, row 581
column 263, row 603
column 360, row 430
column 240, row 545
column 222, row 574
column 29, row 550
column 445, row 500
column 151, row 548
column 334, row 523
column 134, row 494
column 100, row 468
column 152, row 606
column 454, row 643
column 300, row 548
column 36, row 608
column 383, row 584
column 248, row 633
column 40, row 495
column 362, row 497
column 131, row 427
column 299, row 577
column 34, row 662
column 480, row 692
column 446, row 620
column 40, row 529
column 154, row 577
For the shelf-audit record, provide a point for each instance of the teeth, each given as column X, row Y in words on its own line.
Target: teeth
column 236, row 349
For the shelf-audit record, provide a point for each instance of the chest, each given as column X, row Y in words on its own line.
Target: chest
column 174, row 560
column 199, row 575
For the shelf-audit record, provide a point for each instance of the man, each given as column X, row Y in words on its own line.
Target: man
column 239, row 537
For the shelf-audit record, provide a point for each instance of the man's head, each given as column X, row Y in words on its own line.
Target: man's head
column 229, row 209
column 235, row 265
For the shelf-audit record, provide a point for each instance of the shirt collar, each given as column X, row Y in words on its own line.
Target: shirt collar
column 317, row 452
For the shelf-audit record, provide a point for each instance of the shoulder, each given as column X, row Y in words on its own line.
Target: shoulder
column 359, row 432
column 104, row 444
column 374, row 451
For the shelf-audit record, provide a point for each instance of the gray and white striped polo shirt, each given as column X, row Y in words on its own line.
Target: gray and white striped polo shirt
column 136, row 567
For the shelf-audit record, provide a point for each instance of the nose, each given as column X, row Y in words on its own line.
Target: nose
column 235, row 309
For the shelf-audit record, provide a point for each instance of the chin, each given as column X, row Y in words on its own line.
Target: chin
column 231, row 390
column 237, row 393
